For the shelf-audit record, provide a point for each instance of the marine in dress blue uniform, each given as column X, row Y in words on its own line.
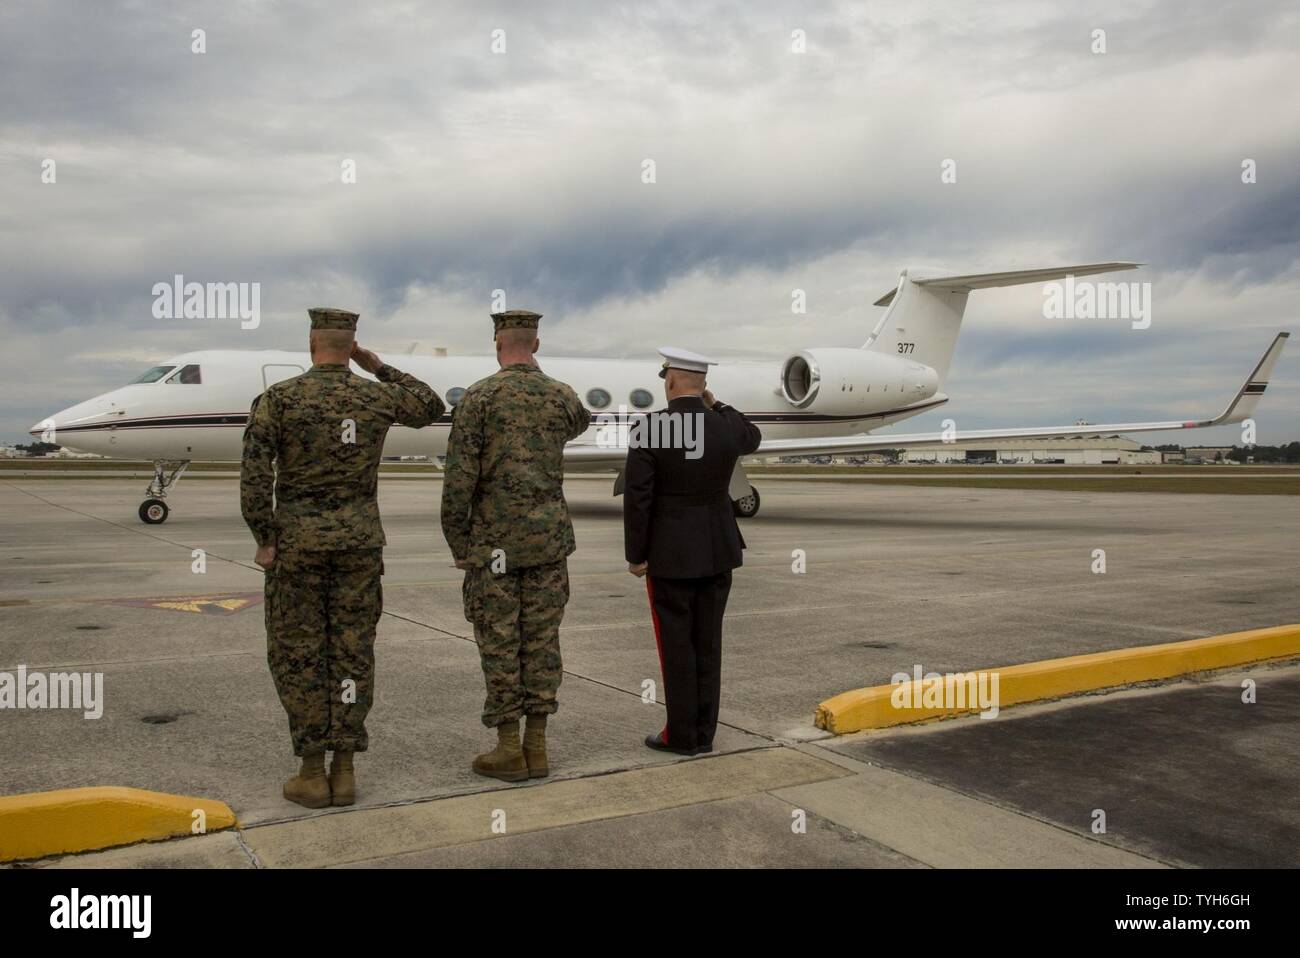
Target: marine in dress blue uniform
column 680, row 532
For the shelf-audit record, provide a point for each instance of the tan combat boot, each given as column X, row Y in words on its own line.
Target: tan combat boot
column 535, row 746
column 309, row 788
column 343, row 782
column 506, row 761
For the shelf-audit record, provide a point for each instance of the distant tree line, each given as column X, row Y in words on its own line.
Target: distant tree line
column 1289, row 452
column 37, row 448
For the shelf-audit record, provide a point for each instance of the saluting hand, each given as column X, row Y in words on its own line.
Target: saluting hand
column 638, row 569
column 365, row 359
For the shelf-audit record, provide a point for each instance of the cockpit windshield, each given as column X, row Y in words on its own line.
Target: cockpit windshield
column 188, row 375
column 152, row 375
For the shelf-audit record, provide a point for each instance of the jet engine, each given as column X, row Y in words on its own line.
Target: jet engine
column 843, row 382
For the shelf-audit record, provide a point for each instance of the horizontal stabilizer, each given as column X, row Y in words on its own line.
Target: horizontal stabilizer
column 1018, row 277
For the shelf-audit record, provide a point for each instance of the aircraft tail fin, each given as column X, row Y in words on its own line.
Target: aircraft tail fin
column 926, row 307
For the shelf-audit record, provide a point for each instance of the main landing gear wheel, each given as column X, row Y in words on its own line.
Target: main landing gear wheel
column 746, row 506
column 153, row 511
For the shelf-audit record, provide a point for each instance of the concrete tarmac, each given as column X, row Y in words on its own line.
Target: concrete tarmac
column 1191, row 773
column 951, row 579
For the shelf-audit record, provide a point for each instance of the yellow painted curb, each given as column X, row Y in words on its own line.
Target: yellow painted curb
column 39, row 824
column 874, row 707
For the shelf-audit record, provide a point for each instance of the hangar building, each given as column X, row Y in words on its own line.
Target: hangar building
column 1076, row 450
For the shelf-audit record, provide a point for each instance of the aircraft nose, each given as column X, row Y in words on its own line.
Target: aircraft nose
column 51, row 428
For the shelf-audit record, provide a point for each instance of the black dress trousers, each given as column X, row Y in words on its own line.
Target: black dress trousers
column 687, row 616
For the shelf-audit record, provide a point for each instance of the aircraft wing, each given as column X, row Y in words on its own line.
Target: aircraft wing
column 1241, row 407
column 592, row 454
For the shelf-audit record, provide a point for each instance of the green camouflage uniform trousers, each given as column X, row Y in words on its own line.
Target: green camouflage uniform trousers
column 516, row 617
column 308, row 486
column 504, row 513
column 321, row 613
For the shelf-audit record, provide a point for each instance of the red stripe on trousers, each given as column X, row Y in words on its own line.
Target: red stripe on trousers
column 659, row 644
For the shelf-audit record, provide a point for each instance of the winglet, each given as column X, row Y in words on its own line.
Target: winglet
column 1243, row 404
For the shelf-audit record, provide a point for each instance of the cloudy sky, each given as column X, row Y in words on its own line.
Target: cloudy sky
column 775, row 170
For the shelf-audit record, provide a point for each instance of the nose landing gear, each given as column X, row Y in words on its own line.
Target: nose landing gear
column 166, row 473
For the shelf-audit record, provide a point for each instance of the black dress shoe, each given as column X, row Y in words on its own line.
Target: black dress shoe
column 657, row 743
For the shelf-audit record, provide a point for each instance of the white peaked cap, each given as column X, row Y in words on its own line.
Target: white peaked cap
column 677, row 358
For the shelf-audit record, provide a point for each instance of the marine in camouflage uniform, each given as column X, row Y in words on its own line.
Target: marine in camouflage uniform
column 508, row 526
column 307, row 488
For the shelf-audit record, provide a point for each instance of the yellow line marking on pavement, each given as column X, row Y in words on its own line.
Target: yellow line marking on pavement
column 221, row 603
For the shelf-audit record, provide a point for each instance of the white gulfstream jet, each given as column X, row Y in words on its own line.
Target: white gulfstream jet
column 820, row 400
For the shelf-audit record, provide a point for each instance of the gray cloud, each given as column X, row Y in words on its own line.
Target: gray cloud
column 522, row 172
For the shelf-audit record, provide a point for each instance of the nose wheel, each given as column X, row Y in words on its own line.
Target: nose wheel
column 166, row 473
column 153, row 511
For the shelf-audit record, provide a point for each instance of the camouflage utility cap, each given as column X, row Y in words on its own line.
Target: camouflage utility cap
column 324, row 318
column 515, row 319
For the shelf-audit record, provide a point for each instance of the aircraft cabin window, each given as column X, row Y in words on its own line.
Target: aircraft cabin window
column 641, row 398
column 454, row 395
column 152, row 376
column 597, row 398
column 188, row 376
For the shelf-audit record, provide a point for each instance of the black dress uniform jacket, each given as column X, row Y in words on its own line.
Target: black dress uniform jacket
column 677, row 514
